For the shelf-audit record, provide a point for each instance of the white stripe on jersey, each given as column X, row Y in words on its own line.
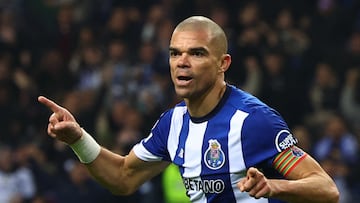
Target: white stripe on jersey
column 236, row 159
column 193, row 149
column 175, row 128
column 197, row 196
column 144, row 154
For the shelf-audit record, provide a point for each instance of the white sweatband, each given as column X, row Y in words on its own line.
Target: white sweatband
column 86, row 148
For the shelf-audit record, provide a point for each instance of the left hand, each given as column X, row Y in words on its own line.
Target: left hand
column 256, row 184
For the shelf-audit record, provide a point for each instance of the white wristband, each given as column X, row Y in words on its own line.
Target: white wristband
column 86, row 148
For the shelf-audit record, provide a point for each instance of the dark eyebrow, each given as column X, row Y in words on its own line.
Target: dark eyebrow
column 173, row 49
column 198, row 49
column 195, row 49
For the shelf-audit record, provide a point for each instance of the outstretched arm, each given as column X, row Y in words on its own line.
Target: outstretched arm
column 120, row 174
column 307, row 182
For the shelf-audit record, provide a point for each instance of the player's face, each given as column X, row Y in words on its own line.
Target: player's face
column 194, row 64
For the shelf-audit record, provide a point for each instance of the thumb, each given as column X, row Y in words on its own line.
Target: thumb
column 252, row 172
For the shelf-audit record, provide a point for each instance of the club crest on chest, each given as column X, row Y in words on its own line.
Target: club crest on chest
column 214, row 157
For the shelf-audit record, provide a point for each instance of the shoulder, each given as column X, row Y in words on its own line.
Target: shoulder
column 267, row 125
column 177, row 111
column 243, row 100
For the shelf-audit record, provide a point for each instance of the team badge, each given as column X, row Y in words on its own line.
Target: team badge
column 214, row 157
column 296, row 151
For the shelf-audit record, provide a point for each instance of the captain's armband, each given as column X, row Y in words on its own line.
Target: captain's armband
column 288, row 159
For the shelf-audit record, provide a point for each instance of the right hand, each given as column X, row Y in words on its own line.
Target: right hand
column 62, row 124
column 256, row 184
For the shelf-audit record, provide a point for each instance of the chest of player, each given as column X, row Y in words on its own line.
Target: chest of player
column 211, row 147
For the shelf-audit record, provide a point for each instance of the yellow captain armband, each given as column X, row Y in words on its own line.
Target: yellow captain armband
column 288, row 159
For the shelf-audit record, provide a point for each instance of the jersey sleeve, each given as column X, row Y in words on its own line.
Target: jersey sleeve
column 154, row 147
column 265, row 134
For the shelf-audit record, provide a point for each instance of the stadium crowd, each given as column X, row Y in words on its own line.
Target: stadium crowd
column 107, row 62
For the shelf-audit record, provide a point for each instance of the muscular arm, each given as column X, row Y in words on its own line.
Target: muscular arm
column 307, row 182
column 123, row 175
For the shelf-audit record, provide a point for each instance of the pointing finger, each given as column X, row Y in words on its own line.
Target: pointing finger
column 50, row 104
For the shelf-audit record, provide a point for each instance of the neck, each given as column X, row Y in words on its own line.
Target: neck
column 203, row 105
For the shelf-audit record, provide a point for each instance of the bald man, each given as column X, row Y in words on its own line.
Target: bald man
column 229, row 146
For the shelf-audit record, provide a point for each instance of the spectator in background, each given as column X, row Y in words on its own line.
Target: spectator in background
column 276, row 88
column 116, row 73
column 66, row 32
column 293, row 41
column 253, row 78
column 339, row 172
column 350, row 98
column 86, row 37
column 51, row 73
column 11, row 123
column 161, row 43
column 148, row 84
column 90, row 69
column 324, row 94
column 338, row 142
column 153, row 18
column 116, row 115
column 124, row 140
column 120, row 27
column 337, row 151
column 304, row 137
column 17, row 183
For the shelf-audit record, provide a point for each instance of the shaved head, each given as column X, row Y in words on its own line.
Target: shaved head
column 201, row 23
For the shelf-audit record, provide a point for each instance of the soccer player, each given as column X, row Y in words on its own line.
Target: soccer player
column 229, row 146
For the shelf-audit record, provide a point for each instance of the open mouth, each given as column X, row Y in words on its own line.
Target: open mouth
column 185, row 78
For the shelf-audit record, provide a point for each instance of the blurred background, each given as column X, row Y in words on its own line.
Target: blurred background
column 107, row 62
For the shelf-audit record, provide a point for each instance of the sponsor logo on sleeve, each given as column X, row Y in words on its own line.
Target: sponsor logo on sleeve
column 284, row 139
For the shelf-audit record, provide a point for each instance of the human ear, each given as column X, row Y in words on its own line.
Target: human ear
column 225, row 62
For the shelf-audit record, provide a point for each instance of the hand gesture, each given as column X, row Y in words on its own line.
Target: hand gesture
column 255, row 183
column 62, row 124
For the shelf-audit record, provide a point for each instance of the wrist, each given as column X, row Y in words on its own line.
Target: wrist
column 86, row 148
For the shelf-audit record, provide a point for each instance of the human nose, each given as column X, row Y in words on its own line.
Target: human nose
column 183, row 60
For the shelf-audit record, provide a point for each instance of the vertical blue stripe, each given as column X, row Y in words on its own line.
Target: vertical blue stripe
column 182, row 139
column 218, row 129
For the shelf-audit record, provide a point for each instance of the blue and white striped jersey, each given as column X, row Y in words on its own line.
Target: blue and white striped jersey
column 214, row 152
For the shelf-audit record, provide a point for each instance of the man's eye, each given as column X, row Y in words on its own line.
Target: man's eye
column 174, row 53
column 198, row 53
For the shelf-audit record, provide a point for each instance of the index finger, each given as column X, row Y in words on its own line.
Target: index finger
column 50, row 104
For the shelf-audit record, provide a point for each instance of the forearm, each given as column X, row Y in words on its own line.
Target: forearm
column 313, row 189
column 108, row 170
column 106, row 167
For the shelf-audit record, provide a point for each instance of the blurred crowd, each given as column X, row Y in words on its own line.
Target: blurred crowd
column 107, row 62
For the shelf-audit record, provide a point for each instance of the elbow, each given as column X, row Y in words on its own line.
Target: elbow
column 121, row 190
column 334, row 195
